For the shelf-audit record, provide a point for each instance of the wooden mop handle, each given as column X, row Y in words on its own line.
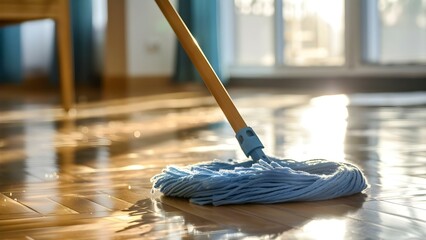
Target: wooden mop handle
column 203, row 66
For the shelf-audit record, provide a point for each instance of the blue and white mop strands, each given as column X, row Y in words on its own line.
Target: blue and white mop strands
column 261, row 180
column 231, row 182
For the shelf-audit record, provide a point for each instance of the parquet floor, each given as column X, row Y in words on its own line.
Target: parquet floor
column 86, row 175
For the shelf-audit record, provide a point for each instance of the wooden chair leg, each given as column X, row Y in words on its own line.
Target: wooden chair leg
column 66, row 66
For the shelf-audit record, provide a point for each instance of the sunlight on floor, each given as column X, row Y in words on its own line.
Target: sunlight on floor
column 325, row 229
column 324, row 123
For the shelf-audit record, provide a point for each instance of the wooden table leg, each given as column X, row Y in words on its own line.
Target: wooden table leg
column 66, row 66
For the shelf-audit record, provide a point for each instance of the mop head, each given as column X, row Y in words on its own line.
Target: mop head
column 231, row 182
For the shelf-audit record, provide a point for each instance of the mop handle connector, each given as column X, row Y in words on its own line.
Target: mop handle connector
column 250, row 144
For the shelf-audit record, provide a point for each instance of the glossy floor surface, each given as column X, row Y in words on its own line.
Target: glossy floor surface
column 86, row 175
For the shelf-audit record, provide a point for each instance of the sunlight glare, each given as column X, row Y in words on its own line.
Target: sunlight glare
column 327, row 229
column 325, row 123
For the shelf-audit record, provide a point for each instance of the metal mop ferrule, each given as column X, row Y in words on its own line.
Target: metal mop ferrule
column 251, row 144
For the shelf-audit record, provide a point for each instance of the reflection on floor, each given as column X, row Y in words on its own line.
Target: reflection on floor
column 86, row 175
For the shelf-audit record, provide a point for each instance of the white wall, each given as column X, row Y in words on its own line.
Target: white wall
column 37, row 47
column 150, row 41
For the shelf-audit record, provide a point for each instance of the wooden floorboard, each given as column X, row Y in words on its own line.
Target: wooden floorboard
column 87, row 175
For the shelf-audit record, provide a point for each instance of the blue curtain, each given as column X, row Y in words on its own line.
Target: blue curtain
column 11, row 69
column 202, row 19
column 82, row 28
column 10, row 55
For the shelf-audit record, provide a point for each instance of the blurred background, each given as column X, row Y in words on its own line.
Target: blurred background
column 368, row 45
column 343, row 80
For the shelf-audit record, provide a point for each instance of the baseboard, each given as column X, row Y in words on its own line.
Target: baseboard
column 343, row 84
column 149, row 81
column 116, row 86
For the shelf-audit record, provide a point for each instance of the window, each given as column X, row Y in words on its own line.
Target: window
column 255, row 32
column 395, row 31
column 344, row 37
column 314, row 32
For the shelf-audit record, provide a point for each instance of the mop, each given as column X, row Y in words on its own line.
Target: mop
column 262, row 179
